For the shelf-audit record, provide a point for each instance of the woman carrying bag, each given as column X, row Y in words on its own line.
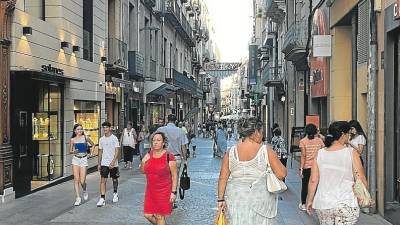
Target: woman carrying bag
column 248, row 200
column 128, row 143
column 334, row 171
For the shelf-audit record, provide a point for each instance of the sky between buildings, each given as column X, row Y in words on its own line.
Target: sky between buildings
column 232, row 21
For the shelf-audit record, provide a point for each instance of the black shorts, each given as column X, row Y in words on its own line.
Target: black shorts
column 105, row 170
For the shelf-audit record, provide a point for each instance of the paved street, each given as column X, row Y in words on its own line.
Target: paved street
column 54, row 206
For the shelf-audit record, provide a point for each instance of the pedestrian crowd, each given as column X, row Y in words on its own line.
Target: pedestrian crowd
column 252, row 173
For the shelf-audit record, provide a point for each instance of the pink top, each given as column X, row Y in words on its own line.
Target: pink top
column 312, row 146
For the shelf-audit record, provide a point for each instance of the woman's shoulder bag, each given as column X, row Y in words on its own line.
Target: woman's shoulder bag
column 274, row 185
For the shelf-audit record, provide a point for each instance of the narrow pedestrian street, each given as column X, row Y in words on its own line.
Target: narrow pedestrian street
column 54, row 205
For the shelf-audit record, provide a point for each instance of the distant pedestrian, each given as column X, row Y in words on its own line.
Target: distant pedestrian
column 309, row 147
column 128, row 143
column 177, row 141
column 79, row 145
column 279, row 146
column 358, row 139
column 159, row 165
column 220, row 139
column 333, row 172
column 144, row 144
column 153, row 128
column 242, row 178
column 108, row 163
column 193, row 142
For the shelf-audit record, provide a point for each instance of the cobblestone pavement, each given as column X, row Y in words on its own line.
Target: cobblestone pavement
column 54, row 206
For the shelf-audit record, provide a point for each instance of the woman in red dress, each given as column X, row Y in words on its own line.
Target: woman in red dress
column 160, row 168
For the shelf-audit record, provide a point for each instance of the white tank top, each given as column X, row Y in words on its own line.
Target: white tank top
column 335, row 186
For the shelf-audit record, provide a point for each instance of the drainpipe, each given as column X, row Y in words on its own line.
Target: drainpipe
column 354, row 66
column 372, row 103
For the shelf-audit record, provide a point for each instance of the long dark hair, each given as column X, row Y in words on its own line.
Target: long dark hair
column 357, row 126
column 311, row 130
column 73, row 130
column 335, row 131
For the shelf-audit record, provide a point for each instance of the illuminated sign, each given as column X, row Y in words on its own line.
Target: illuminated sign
column 396, row 10
column 50, row 69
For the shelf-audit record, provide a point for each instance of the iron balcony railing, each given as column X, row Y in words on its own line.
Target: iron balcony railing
column 272, row 76
column 135, row 65
column 295, row 41
column 153, row 69
column 118, row 53
column 177, row 18
column 150, row 3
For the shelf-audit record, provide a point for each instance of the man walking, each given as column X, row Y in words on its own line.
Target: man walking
column 177, row 140
column 108, row 163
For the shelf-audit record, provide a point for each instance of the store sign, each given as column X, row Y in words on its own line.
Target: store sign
column 396, row 10
column 252, row 72
column 50, row 69
column 322, row 45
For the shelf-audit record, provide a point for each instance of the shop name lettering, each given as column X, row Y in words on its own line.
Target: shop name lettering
column 396, row 10
column 50, row 69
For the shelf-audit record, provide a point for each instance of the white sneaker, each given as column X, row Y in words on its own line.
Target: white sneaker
column 302, row 207
column 85, row 195
column 77, row 201
column 115, row 197
column 101, row 202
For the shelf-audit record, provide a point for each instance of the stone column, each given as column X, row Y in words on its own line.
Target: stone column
column 6, row 152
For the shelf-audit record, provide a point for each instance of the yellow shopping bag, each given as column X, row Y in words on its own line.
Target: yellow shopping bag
column 221, row 219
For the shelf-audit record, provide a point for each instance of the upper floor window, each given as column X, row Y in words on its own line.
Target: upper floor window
column 88, row 30
column 35, row 8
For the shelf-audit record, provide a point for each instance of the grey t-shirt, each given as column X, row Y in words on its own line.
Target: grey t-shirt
column 175, row 137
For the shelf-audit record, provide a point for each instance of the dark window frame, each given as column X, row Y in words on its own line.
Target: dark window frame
column 88, row 27
column 43, row 17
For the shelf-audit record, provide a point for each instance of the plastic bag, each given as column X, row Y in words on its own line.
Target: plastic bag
column 221, row 219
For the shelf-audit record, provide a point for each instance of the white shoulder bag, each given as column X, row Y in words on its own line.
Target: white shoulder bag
column 274, row 185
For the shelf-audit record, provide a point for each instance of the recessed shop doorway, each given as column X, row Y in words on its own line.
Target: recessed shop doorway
column 396, row 165
column 37, row 109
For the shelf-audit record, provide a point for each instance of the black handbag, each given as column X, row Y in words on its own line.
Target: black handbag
column 184, row 183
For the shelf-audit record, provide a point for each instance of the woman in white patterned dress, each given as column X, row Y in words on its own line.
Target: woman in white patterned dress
column 247, row 198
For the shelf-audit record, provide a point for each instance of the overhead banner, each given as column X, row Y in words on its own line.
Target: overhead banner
column 252, row 71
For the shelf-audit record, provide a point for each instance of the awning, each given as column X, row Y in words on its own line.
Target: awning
column 159, row 88
column 46, row 76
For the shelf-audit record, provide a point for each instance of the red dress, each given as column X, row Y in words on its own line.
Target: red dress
column 159, row 185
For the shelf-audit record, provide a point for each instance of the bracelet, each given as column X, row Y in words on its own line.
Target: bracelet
column 221, row 200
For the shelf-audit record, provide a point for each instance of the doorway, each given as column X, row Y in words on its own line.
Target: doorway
column 37, row 133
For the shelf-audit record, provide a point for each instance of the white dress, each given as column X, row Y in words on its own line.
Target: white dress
column 247, row 198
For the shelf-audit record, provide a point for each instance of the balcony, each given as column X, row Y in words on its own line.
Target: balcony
column 118, row 54
column 135, row 65
column 294, row 45
column 161, row 73
column 275, row 9
column 272, row 76
column 174, row 14
column 149, row 3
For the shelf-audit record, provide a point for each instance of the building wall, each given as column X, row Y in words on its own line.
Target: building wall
column 63, row 23
column 340, row 82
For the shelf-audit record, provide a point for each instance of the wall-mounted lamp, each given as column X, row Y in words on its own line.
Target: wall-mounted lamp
column 76, row 48
column 26, row 31
column 64, row 45
column 103, row 59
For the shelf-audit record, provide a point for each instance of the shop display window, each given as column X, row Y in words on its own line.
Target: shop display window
column 87, row 113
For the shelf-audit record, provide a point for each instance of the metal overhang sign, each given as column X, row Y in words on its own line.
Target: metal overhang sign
column 396, row 10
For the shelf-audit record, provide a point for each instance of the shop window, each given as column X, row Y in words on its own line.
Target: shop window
column 35, row 8
column 87, row 113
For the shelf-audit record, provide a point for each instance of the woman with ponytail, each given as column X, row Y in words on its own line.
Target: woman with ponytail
column 309, row 147
column 333, row 172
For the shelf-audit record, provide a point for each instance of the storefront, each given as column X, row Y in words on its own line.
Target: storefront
column 113, row 104
column 38, row 109
column 392, row 111
column 87, row 113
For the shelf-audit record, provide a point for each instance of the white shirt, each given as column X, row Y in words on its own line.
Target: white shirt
column 108, row 145
column 175, row 137
column 336, row 180
column 129, row 138
column 359, row 140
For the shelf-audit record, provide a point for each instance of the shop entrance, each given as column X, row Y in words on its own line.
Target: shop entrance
column 37, row 133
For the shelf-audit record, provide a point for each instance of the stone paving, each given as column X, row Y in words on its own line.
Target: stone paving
column 54, row 206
